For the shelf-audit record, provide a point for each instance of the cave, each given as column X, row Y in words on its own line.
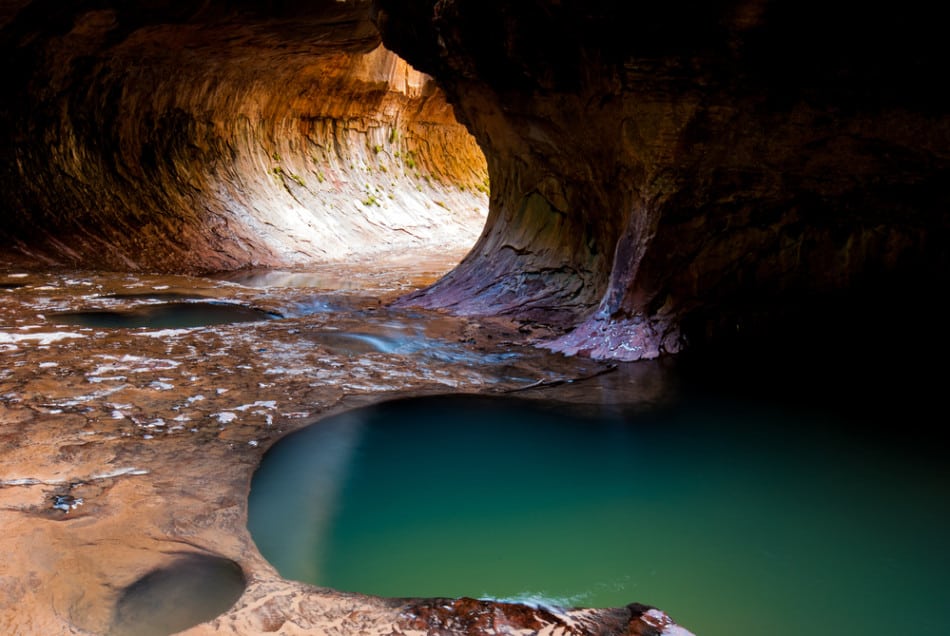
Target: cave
column 752, row 191
column 656, row 182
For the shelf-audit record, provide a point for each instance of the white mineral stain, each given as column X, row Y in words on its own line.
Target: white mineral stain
column 155, row 364
column 163, row 333
column 285, row 371
column 91, row 397
column 112, row 378
column 43, row 338
column 120, row 472
column 268, row 404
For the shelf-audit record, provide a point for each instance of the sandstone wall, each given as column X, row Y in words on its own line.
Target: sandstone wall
column 203, row 136
column 660, row 174
column 671, row 171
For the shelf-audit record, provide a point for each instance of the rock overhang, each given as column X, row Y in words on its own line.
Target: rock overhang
column 659, row 174
column 706, row 165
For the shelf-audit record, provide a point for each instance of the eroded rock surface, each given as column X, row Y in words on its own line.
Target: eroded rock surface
column 179, row 137
column 660, row 174
column 673, row 171
column 128, row 452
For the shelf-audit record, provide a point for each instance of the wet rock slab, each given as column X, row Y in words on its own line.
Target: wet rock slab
column 128, row 453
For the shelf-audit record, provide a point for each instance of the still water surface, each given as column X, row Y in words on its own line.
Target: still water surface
column 171, row 315
column 733, row 518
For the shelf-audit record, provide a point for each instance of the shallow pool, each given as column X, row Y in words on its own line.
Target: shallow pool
column 734, row 519
column 170, row 315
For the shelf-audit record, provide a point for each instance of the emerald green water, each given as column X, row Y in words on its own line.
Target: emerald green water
column 732, row 517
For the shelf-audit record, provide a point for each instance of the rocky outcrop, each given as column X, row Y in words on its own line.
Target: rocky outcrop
column 205, row 136
column 471, row 616
column 660, row 175
column 669, row 172
column 127, row 455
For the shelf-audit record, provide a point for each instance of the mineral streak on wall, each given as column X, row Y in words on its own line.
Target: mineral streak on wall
column 671, row 170
column 214, row 135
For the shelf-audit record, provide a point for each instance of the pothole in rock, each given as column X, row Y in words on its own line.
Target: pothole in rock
column 693, row 507
column 174, row 315
column 191, row 590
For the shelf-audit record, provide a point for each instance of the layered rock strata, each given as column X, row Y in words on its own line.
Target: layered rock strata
column 659, row 175
column 177, row 137
column 667, row 173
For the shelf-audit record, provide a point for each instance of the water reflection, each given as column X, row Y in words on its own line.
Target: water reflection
column 176, row 315
column 327, row 280
column 400, row 340
column 305, row 487
column 734, row 519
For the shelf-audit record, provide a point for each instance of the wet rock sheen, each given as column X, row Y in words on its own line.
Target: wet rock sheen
column 661, row 175
column 667, row 172
column 178, row 137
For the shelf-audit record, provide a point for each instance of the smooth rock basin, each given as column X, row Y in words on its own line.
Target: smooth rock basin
column 735, row 518
column 171, row 315
column 193, row 589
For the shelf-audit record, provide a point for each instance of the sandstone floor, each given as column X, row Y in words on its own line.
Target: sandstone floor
column 127, row 450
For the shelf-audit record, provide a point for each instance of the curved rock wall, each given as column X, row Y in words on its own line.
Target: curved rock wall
column 661, row 173
column 169, row 136
column 672, row 171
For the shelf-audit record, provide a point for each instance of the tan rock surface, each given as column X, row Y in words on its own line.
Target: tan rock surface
column 155, row 435
column 662, row 175
column 213, row 137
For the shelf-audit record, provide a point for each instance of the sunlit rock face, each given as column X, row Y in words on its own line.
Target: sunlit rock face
column 671, row 172
column 204, row 136
column 662, row 174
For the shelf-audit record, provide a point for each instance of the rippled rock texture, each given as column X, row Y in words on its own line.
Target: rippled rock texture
column 183, row 137
column 667, row 172
column 127, row 453
column 661, row 174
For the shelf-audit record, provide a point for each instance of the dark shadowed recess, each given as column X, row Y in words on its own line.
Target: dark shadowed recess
column 871, row 355
column 191, row 590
